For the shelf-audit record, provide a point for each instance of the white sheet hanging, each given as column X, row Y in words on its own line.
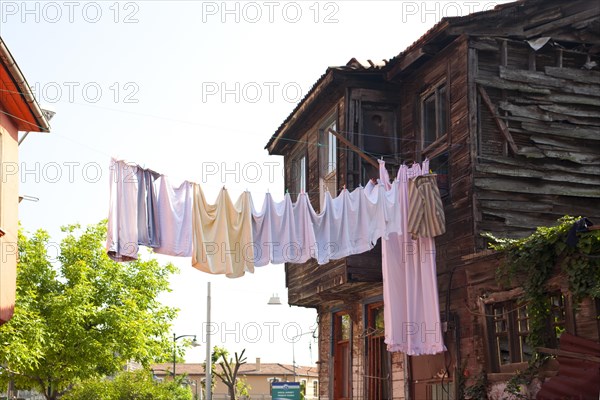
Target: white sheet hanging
column 353, row 222
column 174, row 218
column 306, row 243
column 274, row 232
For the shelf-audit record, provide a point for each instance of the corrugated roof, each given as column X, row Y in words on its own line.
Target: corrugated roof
column 577, row 378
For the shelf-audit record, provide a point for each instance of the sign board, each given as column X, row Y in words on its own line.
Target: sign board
column 285, row 390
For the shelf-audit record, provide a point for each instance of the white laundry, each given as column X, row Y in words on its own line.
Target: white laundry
column 306, row 243
column 354, row 221
column 174, row 218
column 274, row 232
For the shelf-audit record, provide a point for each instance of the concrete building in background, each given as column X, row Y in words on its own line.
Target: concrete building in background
column 19, row 112
column 258, row 376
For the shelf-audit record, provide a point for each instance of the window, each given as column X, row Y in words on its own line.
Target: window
column 378, row 138
column 440, row 391
column 341, row 356
column 509, row 327
column 303, row 387
column 434, row 113
column 331, row 150
column 298, row 175
column 327, row 160
column 378, row 358
column 316, row 389
column 434, row 126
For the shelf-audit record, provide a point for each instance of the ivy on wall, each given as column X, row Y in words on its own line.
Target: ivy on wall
column 530, row 262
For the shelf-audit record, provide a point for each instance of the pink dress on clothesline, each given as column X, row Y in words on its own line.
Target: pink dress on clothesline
column 410, row 291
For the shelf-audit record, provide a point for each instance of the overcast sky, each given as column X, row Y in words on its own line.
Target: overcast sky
column 193, row 90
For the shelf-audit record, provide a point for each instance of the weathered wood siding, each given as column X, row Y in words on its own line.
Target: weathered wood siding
column 549, row 106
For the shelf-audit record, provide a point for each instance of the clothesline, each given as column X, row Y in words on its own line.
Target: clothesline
column 136, row 202
column 233, row 238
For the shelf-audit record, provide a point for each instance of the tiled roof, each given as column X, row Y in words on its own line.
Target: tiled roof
column 271, row 369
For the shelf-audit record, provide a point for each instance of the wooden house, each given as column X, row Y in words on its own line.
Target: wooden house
column 506, row 105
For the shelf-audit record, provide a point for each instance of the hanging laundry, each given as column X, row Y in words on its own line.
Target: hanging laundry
column 426, row 211
column 122, row 233
column 222, row 234
column 274, row 233
column 353, row 222
column 306, row 243
column 175, row 218
column 410, row 291
column 147, row 217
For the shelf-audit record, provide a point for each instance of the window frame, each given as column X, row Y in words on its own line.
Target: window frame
column 441, row 117
column 298, row 171
column 439, row 148
column 515, row 333
column 328, row 158
column 374, row 336
column 339, row 345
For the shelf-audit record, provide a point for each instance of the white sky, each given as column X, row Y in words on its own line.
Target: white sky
column 194, row 90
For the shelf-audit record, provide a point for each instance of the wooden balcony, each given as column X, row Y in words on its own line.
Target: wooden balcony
column 309, row 284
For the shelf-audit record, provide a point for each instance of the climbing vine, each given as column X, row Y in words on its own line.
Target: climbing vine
column 536, row 258
column 533, row 260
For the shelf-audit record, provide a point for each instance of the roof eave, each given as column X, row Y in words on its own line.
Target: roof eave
column 41, row 122
column 326, row 80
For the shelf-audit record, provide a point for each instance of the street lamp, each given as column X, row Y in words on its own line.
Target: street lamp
column 175, row 338
column 294, row 351
column 190, row 383
column 274, row 300
column 156, row 377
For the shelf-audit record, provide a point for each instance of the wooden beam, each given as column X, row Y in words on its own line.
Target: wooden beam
column 577, row 75
column 501, row 125
column 569, row 354
column 498, row 83
column 559, row 23
column 355, row 149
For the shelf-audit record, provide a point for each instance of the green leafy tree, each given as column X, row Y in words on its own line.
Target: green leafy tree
column 81, row 315
column 129, row 385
